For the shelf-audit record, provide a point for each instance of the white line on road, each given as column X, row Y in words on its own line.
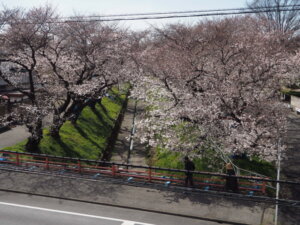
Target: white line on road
column 128, row 223
column 124, row 222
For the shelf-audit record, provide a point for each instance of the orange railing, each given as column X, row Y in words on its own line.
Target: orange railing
column 212, row 181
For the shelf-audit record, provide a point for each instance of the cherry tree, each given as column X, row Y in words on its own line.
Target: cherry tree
column 84, row 60
column 220, row 79
column 24, row 38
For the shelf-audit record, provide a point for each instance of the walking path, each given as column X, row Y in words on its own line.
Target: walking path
column 19, row 133
column 123, row 152
column 13, row 136
column 291, row 168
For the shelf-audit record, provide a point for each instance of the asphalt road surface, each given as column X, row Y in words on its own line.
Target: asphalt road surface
column 20, row 209
column 13, row 136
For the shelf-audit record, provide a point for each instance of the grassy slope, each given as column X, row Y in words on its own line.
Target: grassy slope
column 88, row 138
column 167, row 159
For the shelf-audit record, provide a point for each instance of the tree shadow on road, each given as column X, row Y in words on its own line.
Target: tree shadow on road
column 60, row 187
column 205, row 198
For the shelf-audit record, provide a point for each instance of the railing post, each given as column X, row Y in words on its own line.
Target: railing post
column 263, row 188
column 18, row 159
column 113, row 170
column 47, row 163
column 149, row 175
column 79, row 166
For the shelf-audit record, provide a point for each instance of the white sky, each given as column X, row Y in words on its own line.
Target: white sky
column 98, row 7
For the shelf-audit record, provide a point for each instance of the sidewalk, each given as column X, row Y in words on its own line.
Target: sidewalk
column 19, row 133
column 161, row 200
column 13, row 136
column 290, row 168
column 122, row 147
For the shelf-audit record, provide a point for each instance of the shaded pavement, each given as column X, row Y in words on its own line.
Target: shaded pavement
column 142, row 197
column 121, row 152
column 291, row 170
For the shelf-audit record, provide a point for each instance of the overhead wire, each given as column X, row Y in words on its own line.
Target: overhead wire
column 175, row 16
column 171, row 15
column 187, row 12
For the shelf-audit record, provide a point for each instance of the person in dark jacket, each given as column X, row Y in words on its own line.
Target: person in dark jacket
column 231, row 181
column 189, row 166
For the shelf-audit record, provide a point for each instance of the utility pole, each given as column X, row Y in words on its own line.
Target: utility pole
column 132, row 131
column 278, row 178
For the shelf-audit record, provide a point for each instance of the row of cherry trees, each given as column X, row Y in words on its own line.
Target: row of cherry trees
column 69, row 65
column 217, row 82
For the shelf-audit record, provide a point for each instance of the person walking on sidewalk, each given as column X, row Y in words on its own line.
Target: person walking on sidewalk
column 189, row 166
column 231, row 180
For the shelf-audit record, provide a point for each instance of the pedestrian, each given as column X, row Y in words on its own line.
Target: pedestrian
column 189, row 166
column 231, row 180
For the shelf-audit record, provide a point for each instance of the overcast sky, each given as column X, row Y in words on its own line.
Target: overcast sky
column 98, row 7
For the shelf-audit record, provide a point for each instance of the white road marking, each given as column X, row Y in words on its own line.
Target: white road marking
column 128, row 223
column 124, row 222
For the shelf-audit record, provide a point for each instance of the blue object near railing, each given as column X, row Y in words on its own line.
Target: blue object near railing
column 251, row 193
column 206, row 188
column 3, row 159
column 96, row 175
column 32, row 168
column 167, row 184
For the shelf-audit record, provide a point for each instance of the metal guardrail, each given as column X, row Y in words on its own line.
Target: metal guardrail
column 203, row 180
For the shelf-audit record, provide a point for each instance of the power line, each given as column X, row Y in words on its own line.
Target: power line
column 186, row 12
column 218, row 13
column 173, row 16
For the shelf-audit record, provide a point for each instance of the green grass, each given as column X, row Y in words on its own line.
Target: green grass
column 17, row 148
column 166, row 159
column 88, row 138
column 211, row 163
column 290, row 91
column 174, row 160
column 257, row 165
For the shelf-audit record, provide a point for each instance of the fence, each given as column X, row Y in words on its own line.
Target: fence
column 130, row 173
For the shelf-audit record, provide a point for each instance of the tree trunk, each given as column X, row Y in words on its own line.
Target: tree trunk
column 59, row 117
column 76, row 112
column 75, row 116
column 92, row 104
column 34, row 140
column 55, row 128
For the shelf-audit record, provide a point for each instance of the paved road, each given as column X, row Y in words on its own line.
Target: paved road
column 17, row 209
column 13, row 136
column 19, row 133
column 122, row 146
column 291, row 169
